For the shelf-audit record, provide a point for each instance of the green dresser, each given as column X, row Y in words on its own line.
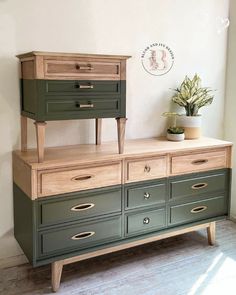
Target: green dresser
column 89, row 201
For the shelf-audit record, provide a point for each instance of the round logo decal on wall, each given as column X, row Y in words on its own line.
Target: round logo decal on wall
column 157, row 59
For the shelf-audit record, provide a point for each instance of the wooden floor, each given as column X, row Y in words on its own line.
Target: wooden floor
column 176, row 266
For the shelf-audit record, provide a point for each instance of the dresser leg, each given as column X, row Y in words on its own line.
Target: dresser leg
column 23, row 134
column 40, row 134
column 211, row 233
column 98, row 122
column 121, row 133
column 56, row 275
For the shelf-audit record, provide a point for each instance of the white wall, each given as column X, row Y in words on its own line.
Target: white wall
column 192, row 28
column 230, row 109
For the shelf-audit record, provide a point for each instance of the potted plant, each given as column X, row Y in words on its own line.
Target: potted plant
column 174, row 133
column 192, row 97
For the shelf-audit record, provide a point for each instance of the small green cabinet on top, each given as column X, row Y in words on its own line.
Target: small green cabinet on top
column 63, row 86
column 88, row 201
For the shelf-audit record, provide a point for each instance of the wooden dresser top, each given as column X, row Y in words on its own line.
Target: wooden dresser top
column 75, row 55
column 107, row 151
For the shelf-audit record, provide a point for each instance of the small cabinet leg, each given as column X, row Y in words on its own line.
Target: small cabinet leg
column 23, row 134
column 40, row 134
column 121, row 133
column 211, row 233
column 98, row 131
column 56, row 275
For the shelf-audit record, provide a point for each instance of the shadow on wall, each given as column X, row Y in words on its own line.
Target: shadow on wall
column 10, row 101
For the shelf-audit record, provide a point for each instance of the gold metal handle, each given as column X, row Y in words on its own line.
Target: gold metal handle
column 198, row 209
column 199, row 162
column 82, row 177
column 146, row 196
column 199, row 185
column 146, row 220
column 82, row 207
column 88, row 67
column 89, row 105
column 147, row 169
column 83, row 235
column 82, row 86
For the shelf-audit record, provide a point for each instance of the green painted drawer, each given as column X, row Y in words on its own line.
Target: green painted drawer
column 60, row 87
column 193, row 211
column 198, row 185
column 146, row 195
column 78, row 206
column 82, row 107
column 147, row 221
column 48, row 100
column 79, row 236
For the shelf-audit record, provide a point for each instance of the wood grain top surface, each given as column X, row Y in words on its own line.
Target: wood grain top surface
column 56, row 157
column 66, row 54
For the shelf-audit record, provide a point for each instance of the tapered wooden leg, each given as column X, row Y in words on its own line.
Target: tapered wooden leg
column 121, row 133
column 40, row 134
column 56, row 267
column 211, row 233
column 98, row 131
column 23, row 133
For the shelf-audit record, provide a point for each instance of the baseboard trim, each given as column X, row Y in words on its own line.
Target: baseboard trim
column 232, row 218
column 13, row 261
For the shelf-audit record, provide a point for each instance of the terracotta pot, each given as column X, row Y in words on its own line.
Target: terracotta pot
column 191, row 125
column 175, row 137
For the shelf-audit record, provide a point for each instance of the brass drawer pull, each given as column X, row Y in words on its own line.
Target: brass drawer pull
column 82, row 207
column 84, row 235
column 146, row 220
column 146, row 196
column 81, row 178
column 199, row 185
column 199, row 162
column 147, row 169
column 84, row 86
column 79, row 105
column 88, row 67
column 198, row 209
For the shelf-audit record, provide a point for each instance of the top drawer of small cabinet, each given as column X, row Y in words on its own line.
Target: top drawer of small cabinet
column 72, row 66
column 202, row 161
column 81, row 69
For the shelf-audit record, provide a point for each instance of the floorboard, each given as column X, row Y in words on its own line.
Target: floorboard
column 182, row 265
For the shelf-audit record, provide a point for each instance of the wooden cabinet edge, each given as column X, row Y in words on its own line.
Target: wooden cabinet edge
column 229, row 152
column 25, row 177
column 69, row 55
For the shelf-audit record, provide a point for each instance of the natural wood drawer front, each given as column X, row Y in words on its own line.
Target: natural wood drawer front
column 81, row 69
column 198, row 162
column 146, row 169
column 58, row 182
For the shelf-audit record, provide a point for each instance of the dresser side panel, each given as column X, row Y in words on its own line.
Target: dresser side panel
column 24, row 222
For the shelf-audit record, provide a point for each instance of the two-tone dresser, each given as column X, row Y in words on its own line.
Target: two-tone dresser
column 69, row 86
column 88, row 200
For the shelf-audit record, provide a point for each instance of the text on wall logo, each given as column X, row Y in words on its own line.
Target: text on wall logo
column 157, row 59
